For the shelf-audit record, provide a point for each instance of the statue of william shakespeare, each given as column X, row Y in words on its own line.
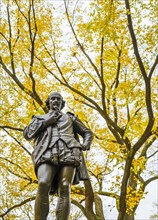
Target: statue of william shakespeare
column 57, row 155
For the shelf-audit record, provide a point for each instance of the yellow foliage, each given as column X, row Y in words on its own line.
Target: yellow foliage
column 138, row 165
column 133, row 198
column 96, row 71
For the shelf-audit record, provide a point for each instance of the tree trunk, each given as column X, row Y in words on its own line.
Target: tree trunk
column 98, row 207
column 129, row 216
column 89, row 200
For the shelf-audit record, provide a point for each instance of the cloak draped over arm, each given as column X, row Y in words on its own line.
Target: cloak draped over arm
column 33, row 129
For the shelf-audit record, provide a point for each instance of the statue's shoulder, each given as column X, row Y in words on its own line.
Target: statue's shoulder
column 72, row 115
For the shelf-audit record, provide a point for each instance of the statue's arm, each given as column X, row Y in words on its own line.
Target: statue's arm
column 33, row 129
column 85, row 132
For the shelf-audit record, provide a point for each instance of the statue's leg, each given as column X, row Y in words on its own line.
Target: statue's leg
column 45, row 174
column 66, row 177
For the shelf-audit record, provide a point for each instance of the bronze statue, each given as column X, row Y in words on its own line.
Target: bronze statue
column 57, row 155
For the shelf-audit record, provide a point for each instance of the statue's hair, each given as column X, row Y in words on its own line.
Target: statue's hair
column 47, row 101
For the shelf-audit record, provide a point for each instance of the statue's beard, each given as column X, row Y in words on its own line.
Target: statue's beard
column 55, row 107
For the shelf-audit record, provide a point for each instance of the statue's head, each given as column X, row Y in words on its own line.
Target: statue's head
column 55, row 101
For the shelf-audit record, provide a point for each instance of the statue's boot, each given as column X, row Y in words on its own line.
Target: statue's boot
column 41, row 207
column 63, row 206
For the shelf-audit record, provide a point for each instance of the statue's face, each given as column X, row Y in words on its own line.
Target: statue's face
column 55, row 101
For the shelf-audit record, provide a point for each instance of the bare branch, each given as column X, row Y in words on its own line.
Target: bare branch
column 10, row 127
column 78, row 204
column 22, row 87
column 48, row 52
column 18, row 205
column 73, row 14
column 149, row 126
column 128, row 114
column 102, row 74
column 4, row 37
column 146, row 182
column 146, row 147
column 89, row 199
column 116, row 84
column 79, row 43
column 32, row 39
column 17, row 141
column 17, row 38
column 9, row 22
column 21, row 11
column 14, row 78
column 34, row 17
column 101, row 58
column 10, row 41
column 85, row 103
column 98, row 207
column 17, row 166
column 153, row 67
column 87, row 72
column 17, row 174
column 109, row 194
column 134, row 40
column 150, row 180
column 152, row 154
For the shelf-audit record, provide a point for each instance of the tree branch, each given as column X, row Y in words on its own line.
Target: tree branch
column 17, row 206
column 89, row 199
column 150, row 180
column 32, row 39
column 22, row 87
column 153, row 67
column 10, row 127
column 10, row 41
column 17, row 141
column 134, row 40
column 4, row 37
column 21, row 11
column 87, row 72
column 80, row 45
column 85, row 103
column 17, row 175
column 149, row 126
column 146, row 147
column 98, row 207
column 78, row 204
column 17, row 166
column 16, row 80
column 152, row 154
column 102, row 75
column 109, row 194
column 116, row 84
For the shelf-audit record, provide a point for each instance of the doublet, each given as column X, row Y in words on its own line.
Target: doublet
column 63, row 130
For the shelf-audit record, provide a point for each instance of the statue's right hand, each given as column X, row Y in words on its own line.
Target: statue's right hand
column 51, row 120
